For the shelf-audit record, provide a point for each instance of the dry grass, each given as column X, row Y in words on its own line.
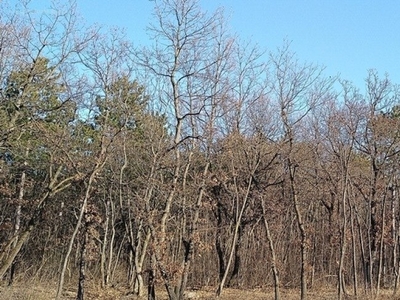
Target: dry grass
column 43, row 291
column 26, row 292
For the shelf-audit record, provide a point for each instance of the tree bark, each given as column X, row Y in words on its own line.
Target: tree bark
column 273, row 254
column 100, row 163
column 354, row 252
column 303, row 235
column 341, row 280
column 82, row 263
column 53, row 188
column 234, row 239
column 104, row 271
column 381, row 247
column 189, row 245
column 17, row 223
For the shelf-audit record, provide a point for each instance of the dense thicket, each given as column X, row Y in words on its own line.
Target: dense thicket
column 200, row 160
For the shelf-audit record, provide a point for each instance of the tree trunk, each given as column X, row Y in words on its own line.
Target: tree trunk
column 82, row 263
column 362, row 249
column 341, row 279
column 76, row 230
column 17, row 223
column 189, row 245
column 303, row 236
column 381, row 247
column 15, row 250
column 218, row 242
column 139, row 284
column 53, row 188
column 166, row 279
column 234, row 239
column 104, row 271
column 237, row 260
column 273, row 254
column 395, row 236
column 354, row 254
column 109, row 271
column 188, row 258
column 151, row 291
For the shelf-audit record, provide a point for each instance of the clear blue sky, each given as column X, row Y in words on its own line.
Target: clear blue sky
column 347, row 36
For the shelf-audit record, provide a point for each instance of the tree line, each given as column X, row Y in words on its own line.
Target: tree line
column 200, row 160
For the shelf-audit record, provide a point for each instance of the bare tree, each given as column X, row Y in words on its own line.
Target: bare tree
column 297, row 88
column 110, row 99
column 186, row 62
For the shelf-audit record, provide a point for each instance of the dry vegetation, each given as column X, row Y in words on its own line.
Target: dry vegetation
column 41, row 291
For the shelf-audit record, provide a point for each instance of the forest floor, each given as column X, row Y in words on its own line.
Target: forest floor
column 40, row 291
